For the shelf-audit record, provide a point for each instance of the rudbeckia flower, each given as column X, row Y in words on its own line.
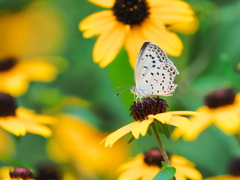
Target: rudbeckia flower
column 131, row 22
column 19, row 173
column 80, row 148
column 26, row 38
column 19, row 121
column 146, row 166
column 222, row 109
column 234, row 171
column 145, row 113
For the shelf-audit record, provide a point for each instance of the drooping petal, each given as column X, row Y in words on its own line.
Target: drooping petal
column 135, row 162
column 188, row 172
column 162, row 117
column 157, row 33
column 180, row 161
column 150, row 172
column 170, row 12
column 113, row 137
column 141, row 128
column 109, row 44
column 97, row 23
column 38, row 129
column 134, row 173
column 133, row 43
column 103, row 3
column 178, row 121
column 198, row 124
column 13, row 126
column 224, row 177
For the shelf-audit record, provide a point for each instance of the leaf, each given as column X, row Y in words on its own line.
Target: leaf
column 163, row 129
column 149, row 131
column 166, row 130
column 167, row 173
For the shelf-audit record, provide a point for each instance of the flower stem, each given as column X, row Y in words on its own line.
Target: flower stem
column 160, row 145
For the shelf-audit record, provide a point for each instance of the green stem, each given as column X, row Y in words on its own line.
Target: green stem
column 160, row 145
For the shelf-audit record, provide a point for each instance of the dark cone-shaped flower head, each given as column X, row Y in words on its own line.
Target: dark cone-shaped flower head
column 21, row 172
column 234, row 167
column 48, row 172
column 6, row 64
column 141, row 110
column 153, row 157
column 8, row 105
column 219, row 98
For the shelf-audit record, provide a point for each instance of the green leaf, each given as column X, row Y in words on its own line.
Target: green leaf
column 165, row 164
column 167, row 173
column 149, row 131
column 166, row 130
column 159, row 127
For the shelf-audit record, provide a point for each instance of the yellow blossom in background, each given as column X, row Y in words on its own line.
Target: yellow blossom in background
column 78, row 143
column 146, row 168
column 19, row 121
column 26, row 38
column 226, row 117
column 130, row 23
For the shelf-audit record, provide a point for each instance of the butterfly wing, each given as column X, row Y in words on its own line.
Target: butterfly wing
column 154, row 73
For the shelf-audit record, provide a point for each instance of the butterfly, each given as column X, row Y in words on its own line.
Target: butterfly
column 154, row 73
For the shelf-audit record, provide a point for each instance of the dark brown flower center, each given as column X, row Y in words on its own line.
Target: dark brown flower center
column 234, row 167
column 21, row 173
column 7, row 64
column 141, row 110
column 8, row 105
column 153, row 157
column 48, row 172
column 132, row 12
column 219, row 98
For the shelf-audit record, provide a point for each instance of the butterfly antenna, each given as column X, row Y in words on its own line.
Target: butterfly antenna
column 122, row 91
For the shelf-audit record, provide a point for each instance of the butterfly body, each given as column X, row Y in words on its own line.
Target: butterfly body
column 154, row 72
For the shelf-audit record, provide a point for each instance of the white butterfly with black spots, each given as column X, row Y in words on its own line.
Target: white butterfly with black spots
column 154, row 72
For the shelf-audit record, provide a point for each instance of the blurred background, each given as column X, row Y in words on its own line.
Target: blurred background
column 83, row 94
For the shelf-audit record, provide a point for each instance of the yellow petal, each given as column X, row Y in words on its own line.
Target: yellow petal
column 103, row 3
column 141, row 128
column 135, row 162
column 225, row 177
column 180, row 161
column 198, row 124
column 188, row 28
column 187, row 172
column 150, row 172
column 157, row 33
column 12, row 125
column 134, row 173
column 109, row 44
column 178, row 121
column 162, row 117
column 38, row 129
column 169, row 13
column 113, row 137
column 38, row 70
column 183, row 113
column 133, row 43
column 97, row 23
column 227, row 118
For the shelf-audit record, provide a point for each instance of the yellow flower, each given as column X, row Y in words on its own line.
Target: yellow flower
column 77, row 143
column 223, row 110
column 10, row 173
column 132, row 22
column 19, row 121
column 144, row 117
column 146, row 166
column 26, row 37
column 234, row 173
